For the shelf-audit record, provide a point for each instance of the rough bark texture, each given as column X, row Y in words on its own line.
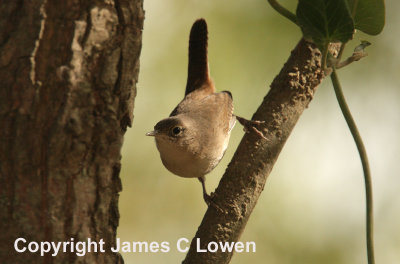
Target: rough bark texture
column 68, row 73
column 241, row 185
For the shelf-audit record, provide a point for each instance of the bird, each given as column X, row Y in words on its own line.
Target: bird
column 195, row 136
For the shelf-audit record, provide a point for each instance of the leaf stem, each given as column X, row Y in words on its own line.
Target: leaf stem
column 283, row 11
column 364, row 160
column 339, row 56
column 353, row 12
column 324, row 58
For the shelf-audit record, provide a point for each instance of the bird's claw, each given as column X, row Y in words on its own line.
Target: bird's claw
column 209, row 201
column 207, row 198
column 250, row 125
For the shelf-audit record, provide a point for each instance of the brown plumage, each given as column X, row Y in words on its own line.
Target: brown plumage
column 193, row 139
column 198, row 71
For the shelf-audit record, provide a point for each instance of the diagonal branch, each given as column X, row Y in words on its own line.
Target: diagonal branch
column 241, row 185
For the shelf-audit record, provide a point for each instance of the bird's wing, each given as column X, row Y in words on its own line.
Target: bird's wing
column 216, row 108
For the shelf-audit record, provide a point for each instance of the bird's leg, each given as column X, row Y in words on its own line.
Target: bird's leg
column 207, row 198
column 250, row 125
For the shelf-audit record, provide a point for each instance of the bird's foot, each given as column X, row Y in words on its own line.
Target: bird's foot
column 210, row 201
column 250, row 126
column 207, row 198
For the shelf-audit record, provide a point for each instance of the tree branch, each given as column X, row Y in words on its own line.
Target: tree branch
column 241, row 185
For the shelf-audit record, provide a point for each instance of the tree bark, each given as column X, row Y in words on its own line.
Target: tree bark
column 244, row 180
column 68, row 73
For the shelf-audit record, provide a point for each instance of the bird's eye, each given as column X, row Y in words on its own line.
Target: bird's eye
column 176, row 131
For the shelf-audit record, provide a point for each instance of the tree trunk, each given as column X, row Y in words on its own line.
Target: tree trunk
column 68, row 71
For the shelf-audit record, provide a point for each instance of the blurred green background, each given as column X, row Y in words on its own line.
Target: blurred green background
column 312, row 208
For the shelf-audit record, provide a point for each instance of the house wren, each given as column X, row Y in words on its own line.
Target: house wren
column 193, row 139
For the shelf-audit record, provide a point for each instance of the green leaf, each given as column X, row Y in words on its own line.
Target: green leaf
column 369, row 15
column 325, row 21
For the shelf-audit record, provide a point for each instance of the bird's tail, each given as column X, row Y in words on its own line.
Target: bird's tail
column 198, row 71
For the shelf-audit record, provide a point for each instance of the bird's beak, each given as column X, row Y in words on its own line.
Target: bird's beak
column 151, row 133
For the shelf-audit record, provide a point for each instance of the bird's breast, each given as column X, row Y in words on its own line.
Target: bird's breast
column 186, row 162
